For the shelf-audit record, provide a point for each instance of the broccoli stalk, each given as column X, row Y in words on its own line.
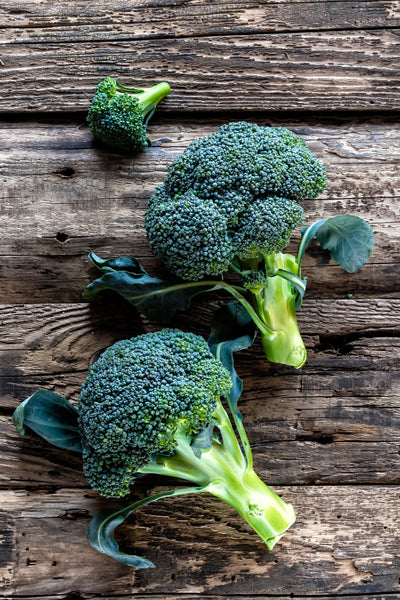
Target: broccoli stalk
column 118, row 116
column 223, row 471
column 274, row 299
column 148, row 97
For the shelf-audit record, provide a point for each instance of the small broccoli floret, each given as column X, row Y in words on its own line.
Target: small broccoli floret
column 254, row 281
column 265, row 227
column 138, row 395
column 186, row 227
column 118, row 116
column 232, row 200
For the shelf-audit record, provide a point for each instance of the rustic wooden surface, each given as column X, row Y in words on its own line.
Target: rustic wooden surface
column 327, row 437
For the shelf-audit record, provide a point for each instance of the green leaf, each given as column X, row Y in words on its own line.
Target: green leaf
column 155, row 298
column 298, row 283
column 51, row 417
column 100, row 531
column 203, row 440
column 231, row 330
column 349, row 239
column 120, row 263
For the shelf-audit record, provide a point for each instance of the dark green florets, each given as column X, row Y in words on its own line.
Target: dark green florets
column 137, row 396
column 187, row 227
column 116, row 118
column 255, row 281
column 265, row 227
column 239, row 167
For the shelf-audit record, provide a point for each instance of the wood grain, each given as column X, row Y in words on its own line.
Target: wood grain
column 63, row 196
column 313, row 71
column 75, row 595
column 337, row 420
column 326, row 436
column 32, row 21
column 340, row 542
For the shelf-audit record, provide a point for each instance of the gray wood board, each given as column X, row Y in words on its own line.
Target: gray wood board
column 313, row 71
column 63, row 196
column 34, row 21
column 345, row 541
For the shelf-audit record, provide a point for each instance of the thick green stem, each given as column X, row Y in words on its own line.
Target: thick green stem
column 223, row 471
column 148, row 97
column 275, row 304
column 152, row 96
column 267, row 514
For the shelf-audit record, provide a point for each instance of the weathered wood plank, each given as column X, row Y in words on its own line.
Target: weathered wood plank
column 43, row 278
column 57, row 182
column 315, row 456
column 340, row 544
column 50, row 339
column 335, row 420
column 32, row 21
column 318, row 71
column 195, row 596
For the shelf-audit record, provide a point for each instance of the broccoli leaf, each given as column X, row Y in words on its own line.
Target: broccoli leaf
column 51, row 417
column 231, row 330
column 155, row 298
column 349, row 239
column 298, row 283
column 100, row 531
column 203, row 440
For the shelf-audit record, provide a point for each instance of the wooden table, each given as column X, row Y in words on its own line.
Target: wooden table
column 326, row 437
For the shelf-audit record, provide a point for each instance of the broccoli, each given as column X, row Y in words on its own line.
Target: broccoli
column 231, row 200
column 152, row 405
column 118, row 116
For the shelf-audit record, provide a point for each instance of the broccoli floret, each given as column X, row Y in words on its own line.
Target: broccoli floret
column 232, row 200
column 149, row 406
column 188, row 227
column 138, row 395
column 118, row 116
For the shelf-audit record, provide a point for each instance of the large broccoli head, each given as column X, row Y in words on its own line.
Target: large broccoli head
column 138, row 396
column 232, row 193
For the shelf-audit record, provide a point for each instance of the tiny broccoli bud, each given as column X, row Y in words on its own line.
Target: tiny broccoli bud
column 254, row 281
column 118, row 116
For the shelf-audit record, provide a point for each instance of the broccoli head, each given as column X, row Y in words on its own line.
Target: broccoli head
column 153, row 405
column 118, row 116
column 138, row 396
column 232, row 201
column 231, row 194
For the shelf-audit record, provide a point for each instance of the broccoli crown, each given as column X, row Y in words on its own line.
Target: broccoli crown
column 243, row 180
column 138, row 396
column 190, row 235
column 116, row 118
